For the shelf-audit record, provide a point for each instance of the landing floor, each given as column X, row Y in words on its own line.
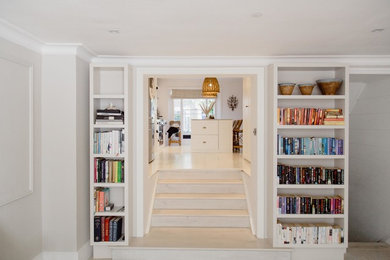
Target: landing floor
column 226, row 238
column 181, row 157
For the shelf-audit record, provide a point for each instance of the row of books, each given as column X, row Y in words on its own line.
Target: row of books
column 109, row 142
column 108, row 171
column 309, row 234
column 108, row 229
column 102, row 200
column 303, row 204
column 309, row 146
column 109, row 116
column 309, row 175
column 309, row 116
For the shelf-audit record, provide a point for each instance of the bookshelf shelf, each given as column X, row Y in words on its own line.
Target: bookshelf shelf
column 108, row 96
column 311, row 157
column 312, row 216
column 311, row 245
column 118, row 126
column 299, row 73
column 117, row 156
column 312, row 97
column 311, row 127
column 109, row 85
column 310, row 186
column 113, row 185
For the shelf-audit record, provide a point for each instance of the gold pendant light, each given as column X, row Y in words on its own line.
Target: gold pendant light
column 210, row 87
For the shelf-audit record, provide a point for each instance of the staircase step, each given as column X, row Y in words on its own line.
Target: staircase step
column 201, row 181
column 200, row 174
column 211, row 187
column 199, row 201
column 200, row 212
column 200, row 218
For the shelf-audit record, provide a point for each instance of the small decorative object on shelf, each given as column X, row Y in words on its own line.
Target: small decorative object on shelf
column 207, row 107
column 306, row 89
column 286, row 88
column 329, row 86
column 232, row 102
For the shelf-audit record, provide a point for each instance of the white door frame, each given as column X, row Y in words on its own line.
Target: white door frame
column 140, row 161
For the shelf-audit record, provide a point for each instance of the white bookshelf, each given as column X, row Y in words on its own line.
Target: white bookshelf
column 109, row 85
column 307, row 73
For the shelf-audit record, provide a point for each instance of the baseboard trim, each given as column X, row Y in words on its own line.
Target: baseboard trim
column 84, row 253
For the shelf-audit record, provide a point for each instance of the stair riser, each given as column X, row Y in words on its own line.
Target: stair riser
column 200, row 204
column 200, row 221
column 200, row 175
column 199, row 188
column 196, row 254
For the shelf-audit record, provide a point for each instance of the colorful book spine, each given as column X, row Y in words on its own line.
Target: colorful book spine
column 300, row 204
column 109, row 142
column 108, row 171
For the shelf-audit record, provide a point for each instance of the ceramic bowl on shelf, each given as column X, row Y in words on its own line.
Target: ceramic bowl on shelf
column 306, row 88
column 329, row 86
column 286, row 88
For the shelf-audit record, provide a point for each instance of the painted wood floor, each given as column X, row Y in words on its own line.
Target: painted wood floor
column 181, row 157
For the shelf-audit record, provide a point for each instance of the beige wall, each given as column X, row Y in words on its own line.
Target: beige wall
column 20, row 220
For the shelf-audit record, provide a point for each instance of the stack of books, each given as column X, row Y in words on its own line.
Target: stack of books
column 334, row 117
column 109, row 142
column 301, row 116
column 309, row 234
column 110, row 116
column 108, row 229
column 102, row 200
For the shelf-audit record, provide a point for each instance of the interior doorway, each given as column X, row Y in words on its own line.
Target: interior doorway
column 144, row 179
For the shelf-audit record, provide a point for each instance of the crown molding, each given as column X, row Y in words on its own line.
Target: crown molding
column 252, row 61
column 23, row 38
column 76, row 49
column 19, row 36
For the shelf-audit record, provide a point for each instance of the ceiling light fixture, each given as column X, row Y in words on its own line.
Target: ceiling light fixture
column 377, row 30
column 257, row 15
column 210, row 87
column 114, row 31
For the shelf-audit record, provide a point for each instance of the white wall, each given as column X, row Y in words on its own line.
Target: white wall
column 369, row 158
column 20, row 220
column 228, row 87
column 65, row 147
column 82, row 148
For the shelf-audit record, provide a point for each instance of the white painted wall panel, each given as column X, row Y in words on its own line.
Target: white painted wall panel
column 369, row 159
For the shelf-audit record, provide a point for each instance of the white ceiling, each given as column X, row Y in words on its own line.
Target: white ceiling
column 208, row 27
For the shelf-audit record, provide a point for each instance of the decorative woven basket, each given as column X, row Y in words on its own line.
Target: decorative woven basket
column 286, row 88
column 306, row 89
column 329, row 86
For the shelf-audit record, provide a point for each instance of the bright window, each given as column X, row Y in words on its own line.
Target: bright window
column 186, row 109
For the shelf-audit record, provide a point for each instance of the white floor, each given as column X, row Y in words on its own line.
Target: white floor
column 181, row 157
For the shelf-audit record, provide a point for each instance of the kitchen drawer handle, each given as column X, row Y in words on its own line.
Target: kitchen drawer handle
column 204, row 142
column 204, row 127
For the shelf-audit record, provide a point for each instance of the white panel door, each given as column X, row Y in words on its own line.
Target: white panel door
column 246, row 124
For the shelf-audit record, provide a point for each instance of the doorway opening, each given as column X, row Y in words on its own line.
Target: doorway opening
column 185, row 157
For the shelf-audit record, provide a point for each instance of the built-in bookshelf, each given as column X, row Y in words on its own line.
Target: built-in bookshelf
column 309, row 168
column 109, row 164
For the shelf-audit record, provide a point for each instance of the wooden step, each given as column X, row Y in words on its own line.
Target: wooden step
column 201, row 181
column 197, row 187
column 200, row 218
column 200, row 174
column 200, row 201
